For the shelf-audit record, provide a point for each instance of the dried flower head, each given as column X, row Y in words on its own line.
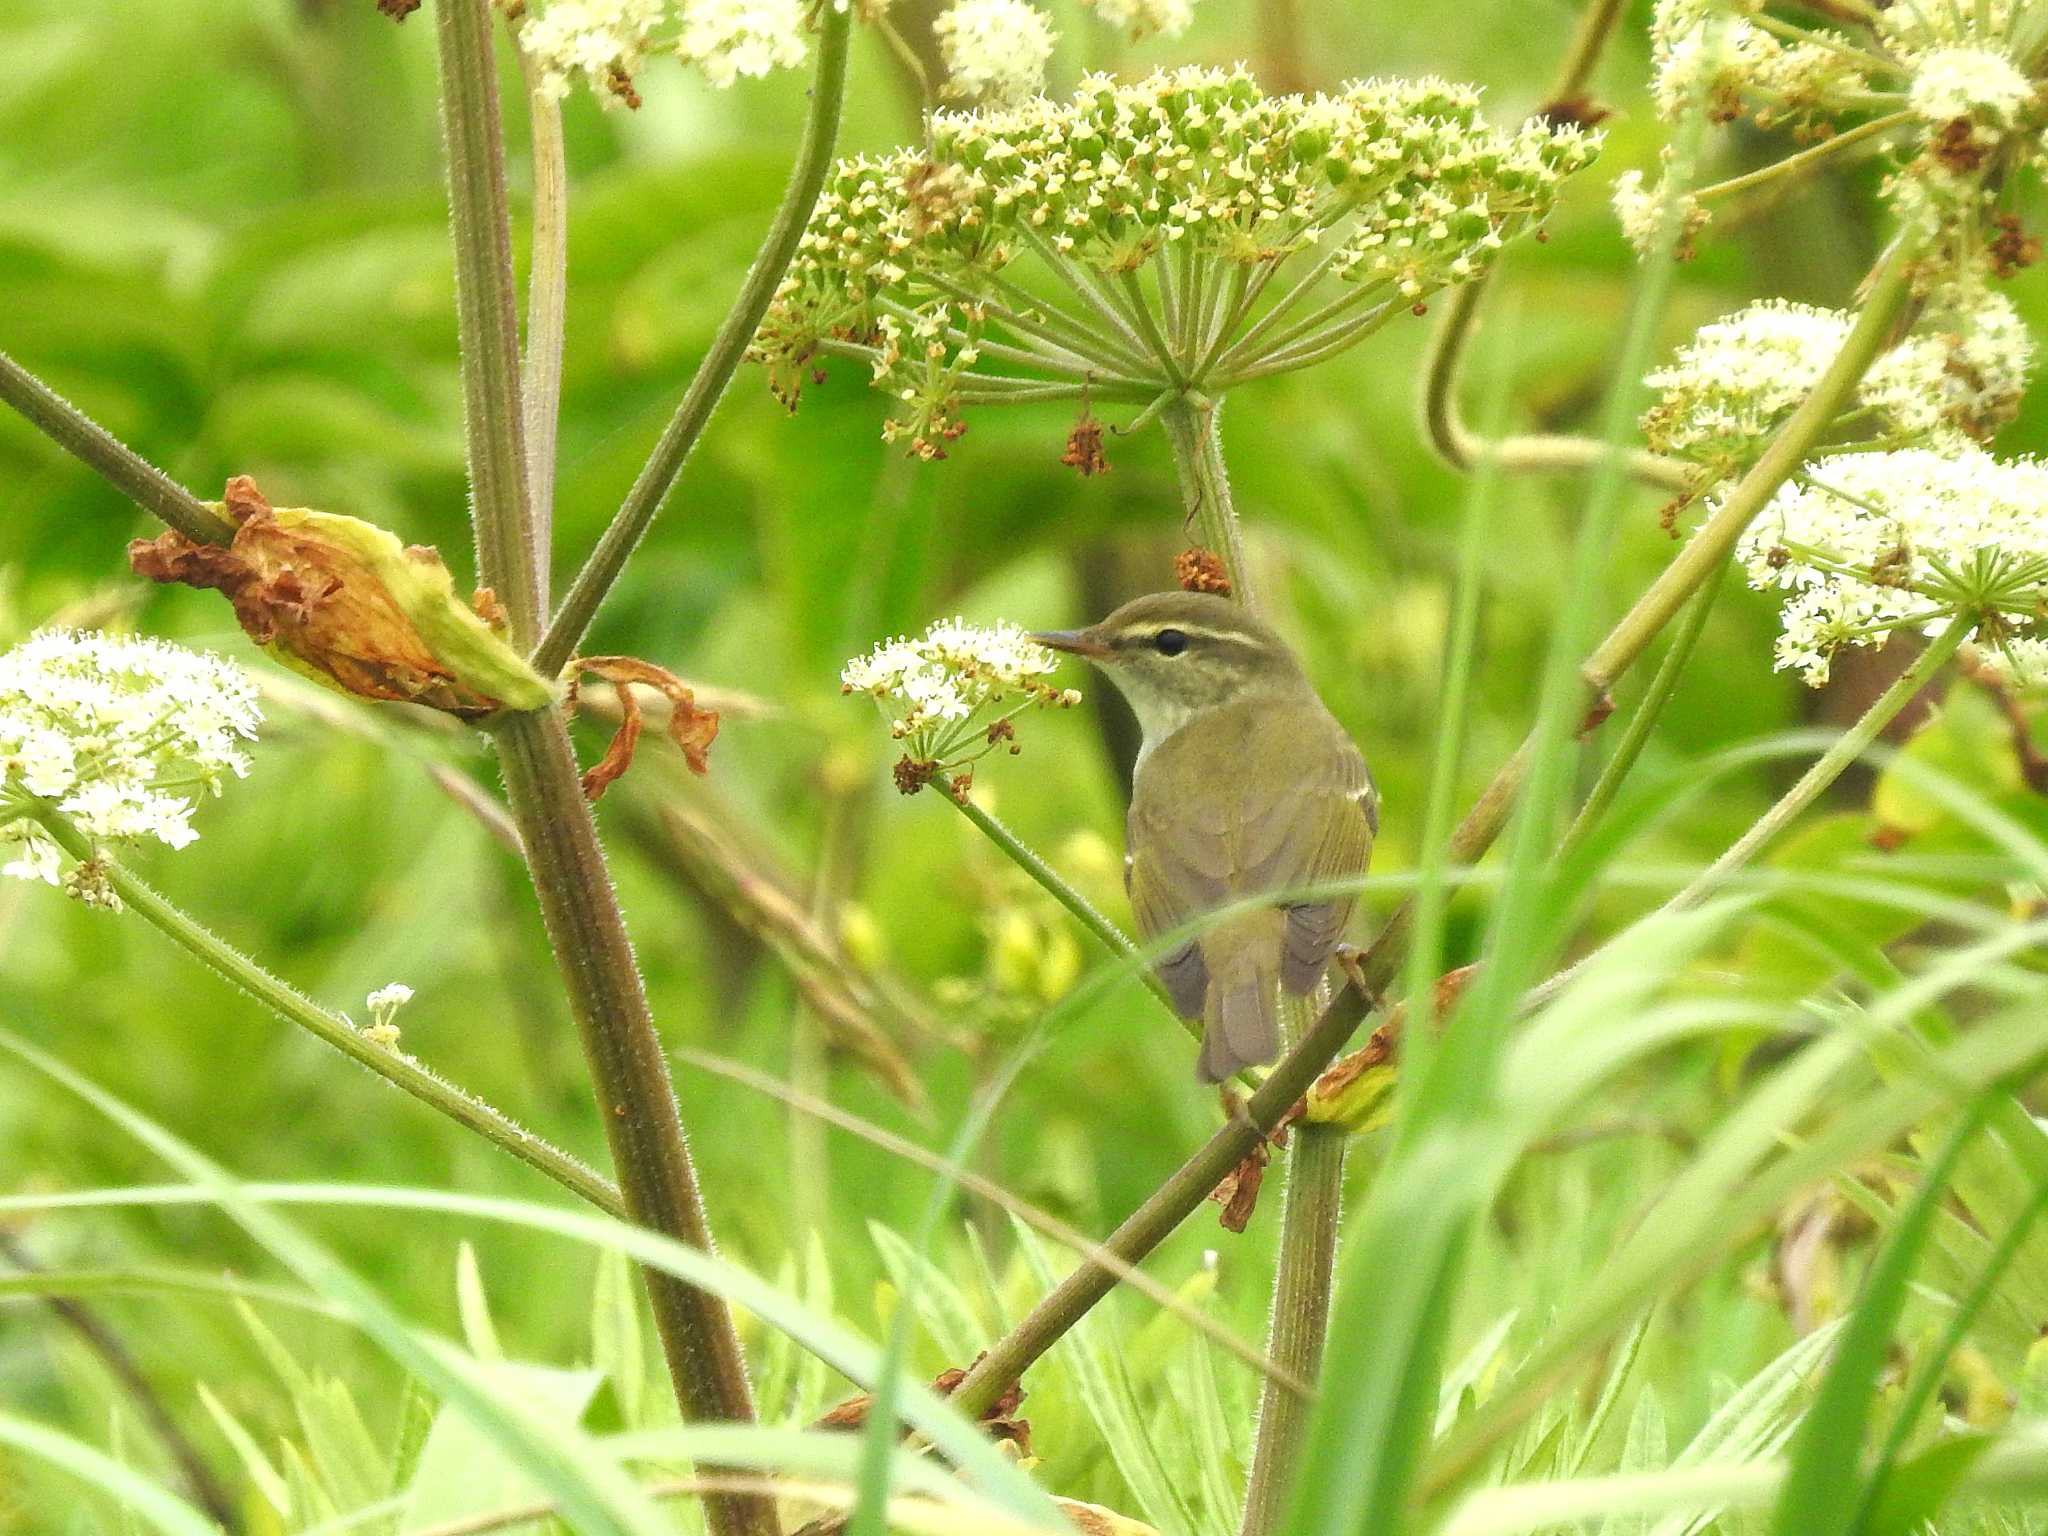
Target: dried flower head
column 1862, row 544
column 951, row 694
column 345, row 603
column 119, row 735
column 605, row 43
column 995, row 51
column 1948, row 89
column 1187, row 230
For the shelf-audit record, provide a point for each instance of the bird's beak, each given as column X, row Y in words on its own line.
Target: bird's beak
column 1075, row 642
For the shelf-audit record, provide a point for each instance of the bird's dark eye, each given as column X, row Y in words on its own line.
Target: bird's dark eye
column 1170, row 642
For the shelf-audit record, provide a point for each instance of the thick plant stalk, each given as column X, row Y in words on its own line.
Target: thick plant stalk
column 1185, row 1191
column 585, row 927
column 487, row 317
column 658, row 476
column 112, row 460
column 1298, row 1329
column 400, row 1070
column 1190, row 423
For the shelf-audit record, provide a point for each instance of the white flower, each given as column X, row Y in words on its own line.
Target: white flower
column 116, row 734
column 1866, row 543
column 1640, row 210
column 1736, row 381
column 1401, row 184
column 994, row 50
column 384, row 1004
column 1965, row 367
column 1969, row 82
column 1145, row 18
column 1731, row 385
column 389, row 998
column 936, row 691
column 731, row 38
column 601, row 42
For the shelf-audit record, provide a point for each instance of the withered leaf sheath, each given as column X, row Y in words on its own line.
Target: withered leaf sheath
column 343, row 602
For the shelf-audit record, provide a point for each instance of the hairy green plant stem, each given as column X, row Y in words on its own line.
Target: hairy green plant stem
column 112, row 460
column 1312, row 1206
column 487, row 316
column 1190, row 421
column 1184, row 1192
column 658, row 476
column 579, row 907
column 400, row 1070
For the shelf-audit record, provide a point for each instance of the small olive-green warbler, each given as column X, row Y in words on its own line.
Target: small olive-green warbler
column 1245, row 786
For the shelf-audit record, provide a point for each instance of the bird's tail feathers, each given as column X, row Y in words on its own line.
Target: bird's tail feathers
column 1241, row 1010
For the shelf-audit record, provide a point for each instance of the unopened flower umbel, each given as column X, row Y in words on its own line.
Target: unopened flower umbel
column 1139, row 240
column 1862, row 544
column 950, row 695
column 118, row 735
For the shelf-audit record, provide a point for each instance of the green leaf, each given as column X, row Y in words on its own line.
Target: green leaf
column 1821, row 1494
column 473, row 1306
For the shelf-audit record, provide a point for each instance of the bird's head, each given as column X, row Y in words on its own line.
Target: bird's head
column 1175, row 654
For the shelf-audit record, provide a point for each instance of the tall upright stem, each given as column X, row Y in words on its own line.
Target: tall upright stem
column 1298, row 1328
column 1191, row 431
column 585, row 927
column 487, row 315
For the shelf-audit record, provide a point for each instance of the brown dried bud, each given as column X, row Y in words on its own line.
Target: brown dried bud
column 1201, row 570
column 397, row 10
column 341, row 601
column 1084, row 448
column 2012, row 248
column 1238, row 1193
column 911, row 775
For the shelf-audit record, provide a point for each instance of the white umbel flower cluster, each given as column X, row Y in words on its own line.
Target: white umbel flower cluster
column 1732, row 386
column 119, row 735
column 1947, row 88
column 1139, row 19
column 1865, row 544
column 950, row 694
column 1193, row 181
column 605, row 43
column 995, row 51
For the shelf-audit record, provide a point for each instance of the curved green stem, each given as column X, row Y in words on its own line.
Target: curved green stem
column 232, row 966
column 658, row 476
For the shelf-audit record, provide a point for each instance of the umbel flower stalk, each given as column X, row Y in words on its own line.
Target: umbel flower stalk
column 1143, row 242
